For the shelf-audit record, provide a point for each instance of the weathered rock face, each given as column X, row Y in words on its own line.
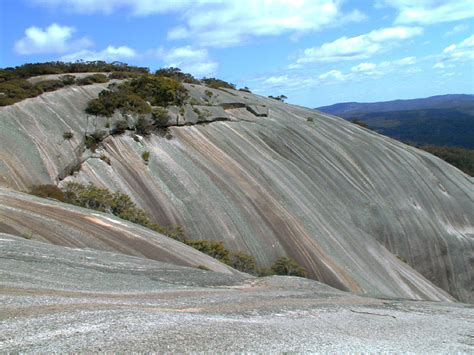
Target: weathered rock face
column 266, row 180
column 38, row 219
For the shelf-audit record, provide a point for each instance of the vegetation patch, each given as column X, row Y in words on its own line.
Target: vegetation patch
column 146, row 156
column 136, row 96
column 218, row 83
column 360, row 123
column 68, row 135
column 92, row 79
column 461, row 158
column 177, row 74
column 288, row 267
column 122, row 206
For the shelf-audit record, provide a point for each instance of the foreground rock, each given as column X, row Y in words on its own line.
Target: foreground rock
column 70, row 300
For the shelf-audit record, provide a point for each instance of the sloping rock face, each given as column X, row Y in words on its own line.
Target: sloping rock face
column 52, row 222
column 337, row 198
column 58, row 299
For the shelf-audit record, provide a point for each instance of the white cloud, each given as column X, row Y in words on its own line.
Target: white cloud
column 363, row 67
column 52, row 39
column 360, row 47
column 427, row 12
column 334, row 76
column 110, row 53
column 457, row 29
column 461, row 52
column 235, row 22
column 359, row 72
column 224, row 23
column 192, row 60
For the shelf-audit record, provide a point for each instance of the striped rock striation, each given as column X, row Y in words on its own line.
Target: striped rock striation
column 270, row 179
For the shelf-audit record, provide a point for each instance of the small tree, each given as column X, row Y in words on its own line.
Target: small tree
column 287, row 266
column 160, row 116
column 243, row 262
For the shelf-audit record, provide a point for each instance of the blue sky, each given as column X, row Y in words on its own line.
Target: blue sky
column 316, row 52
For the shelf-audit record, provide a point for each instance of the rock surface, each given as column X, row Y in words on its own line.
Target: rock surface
column 57, row 223
column 339, row 199
column 58, row 299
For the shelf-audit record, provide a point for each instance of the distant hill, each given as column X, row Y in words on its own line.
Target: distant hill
column 440, row 120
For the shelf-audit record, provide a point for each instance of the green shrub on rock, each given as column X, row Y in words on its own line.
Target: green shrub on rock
column 92, row 79
column 287, row 266
column 243, row 262
column 160, row 116
column 48, row 191
column 213, row 248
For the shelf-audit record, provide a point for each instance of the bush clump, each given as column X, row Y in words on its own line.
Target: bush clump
column 92, row 79
column 177, row 74
column 288, row 267
column 93, row 140
column 160, row 116
column 146, row 156
column 67, row 79
column 213, row 248
column 48, row 191
column 218, row 83
column 50, row 85
column 243, row 262
column 360, row 123
column 68, row 135
column 16, row 90
column 135, row 96
column 14, row 87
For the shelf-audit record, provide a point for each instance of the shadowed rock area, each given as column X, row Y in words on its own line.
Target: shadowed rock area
column 58, row 299
column 341, row 200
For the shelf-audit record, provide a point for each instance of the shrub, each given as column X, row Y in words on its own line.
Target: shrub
column 68, row 135
column 158, row 90
column 243, row 262
column 309, row 119
column 218, row 83
column 160, row 116
column 144, row 127
column 49, row 85
column 281, row 98
column 262, row 272
column 213, row 248
column 92, row 141
column 177, row 74
column 120, row 127
column 287, row 266
column 105, row 159
column 245, row 89
column 360, row 123
column 118, row 204
column 92, row 79
column 16, row 90
column 122, row 75
column 67, row 79
column 146, row 156
column 48, row 191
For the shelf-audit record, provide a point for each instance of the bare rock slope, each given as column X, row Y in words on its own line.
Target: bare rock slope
column 271, row 179
column 59, row 299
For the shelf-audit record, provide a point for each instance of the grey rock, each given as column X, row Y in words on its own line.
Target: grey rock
column 341, row 200
column 58, row 299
